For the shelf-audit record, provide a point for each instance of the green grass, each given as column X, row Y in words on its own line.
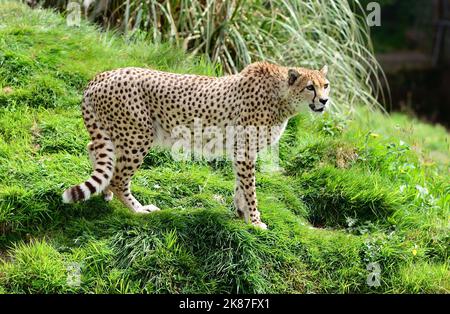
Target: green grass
column 364, row 189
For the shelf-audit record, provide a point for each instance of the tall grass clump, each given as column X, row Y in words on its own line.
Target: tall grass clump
column 36, row 268
column 234, row 33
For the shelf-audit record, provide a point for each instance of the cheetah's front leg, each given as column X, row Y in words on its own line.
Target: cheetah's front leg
column 245, row 193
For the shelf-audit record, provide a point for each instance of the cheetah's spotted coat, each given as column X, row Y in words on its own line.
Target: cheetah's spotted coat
column 129, row 110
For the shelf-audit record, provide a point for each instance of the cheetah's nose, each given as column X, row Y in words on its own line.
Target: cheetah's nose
column 323, row 101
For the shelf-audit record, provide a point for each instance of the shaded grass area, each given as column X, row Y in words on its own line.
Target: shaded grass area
column 367, row 189
column 338, row 197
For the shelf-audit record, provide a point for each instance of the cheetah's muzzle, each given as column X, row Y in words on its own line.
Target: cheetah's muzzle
column 313, row 108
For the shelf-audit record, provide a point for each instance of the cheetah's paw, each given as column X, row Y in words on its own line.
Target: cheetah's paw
column 260, row 225
column 108, row 196
column 147, row 209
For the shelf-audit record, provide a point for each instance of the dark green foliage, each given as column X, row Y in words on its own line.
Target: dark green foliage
column 337, row 197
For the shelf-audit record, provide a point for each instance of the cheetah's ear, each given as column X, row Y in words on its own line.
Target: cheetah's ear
column 324, row 70
column 293, row 76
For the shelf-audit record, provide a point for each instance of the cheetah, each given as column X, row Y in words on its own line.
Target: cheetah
column 129, row 110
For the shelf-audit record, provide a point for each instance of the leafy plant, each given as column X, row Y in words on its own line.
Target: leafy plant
column 234, row 33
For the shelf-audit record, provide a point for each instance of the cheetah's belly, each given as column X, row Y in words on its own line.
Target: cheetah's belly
column 208, row 142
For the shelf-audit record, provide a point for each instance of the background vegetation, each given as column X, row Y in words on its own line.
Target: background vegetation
column 354, row 190
column 233, row 33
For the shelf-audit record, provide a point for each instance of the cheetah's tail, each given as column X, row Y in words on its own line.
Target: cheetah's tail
column 103, row 169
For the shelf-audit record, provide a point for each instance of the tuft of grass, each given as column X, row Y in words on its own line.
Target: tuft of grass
column 337, row 197
column 424, row 277
column 50, row 133
column 36, row 268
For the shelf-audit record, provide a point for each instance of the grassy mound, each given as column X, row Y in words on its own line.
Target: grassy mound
column 337, row 197
column 371, row 189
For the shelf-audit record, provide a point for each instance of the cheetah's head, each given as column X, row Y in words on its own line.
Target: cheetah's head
column 309, row 87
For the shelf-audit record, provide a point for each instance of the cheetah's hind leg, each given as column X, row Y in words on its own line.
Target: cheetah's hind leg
column 124, row 171
column 239, row 203
column 107, row 193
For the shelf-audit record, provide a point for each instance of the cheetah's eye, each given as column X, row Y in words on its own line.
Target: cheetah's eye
column 310, row 87
column 325, row 86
